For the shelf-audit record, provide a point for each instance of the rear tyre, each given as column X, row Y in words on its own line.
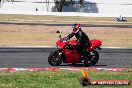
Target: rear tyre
column 94, row 57
column 87, row 62
column 54, row 58
column 91, row 59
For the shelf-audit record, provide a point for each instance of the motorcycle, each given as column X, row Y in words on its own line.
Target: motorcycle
column 66, row 54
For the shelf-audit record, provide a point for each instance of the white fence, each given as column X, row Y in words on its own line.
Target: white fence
column 109, row 8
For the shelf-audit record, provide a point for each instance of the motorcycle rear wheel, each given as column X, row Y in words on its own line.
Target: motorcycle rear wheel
column 92, row 59
column 54, row 59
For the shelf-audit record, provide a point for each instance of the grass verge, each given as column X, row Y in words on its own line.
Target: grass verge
column 57, row 79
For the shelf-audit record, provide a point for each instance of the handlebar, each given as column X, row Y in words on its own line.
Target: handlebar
column 67, row 46
column 63, row 39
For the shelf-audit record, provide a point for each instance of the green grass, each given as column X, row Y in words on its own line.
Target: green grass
column 57, row 79
column 63, row 19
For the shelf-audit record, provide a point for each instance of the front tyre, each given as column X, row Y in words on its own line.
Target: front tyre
column 54, row 58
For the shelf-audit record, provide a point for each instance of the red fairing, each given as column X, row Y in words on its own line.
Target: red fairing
column 62, row 44
column 94, row 44
column 71, row 56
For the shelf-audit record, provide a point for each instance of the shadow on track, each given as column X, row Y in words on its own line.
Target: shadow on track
column 80, row 65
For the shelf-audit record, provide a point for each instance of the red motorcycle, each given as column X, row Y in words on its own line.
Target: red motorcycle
column 66, row 54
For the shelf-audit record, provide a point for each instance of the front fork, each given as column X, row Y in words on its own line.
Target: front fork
column 60, row 53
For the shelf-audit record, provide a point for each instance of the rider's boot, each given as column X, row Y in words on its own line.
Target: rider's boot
column 84, row 55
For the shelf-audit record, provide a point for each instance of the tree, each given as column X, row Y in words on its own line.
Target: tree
column 81, row 2
column 60, row 3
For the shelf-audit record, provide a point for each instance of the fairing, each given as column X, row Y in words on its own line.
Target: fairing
column 71, row 56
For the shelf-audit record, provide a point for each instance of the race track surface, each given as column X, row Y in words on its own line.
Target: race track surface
column 38, row 57
column 83, row 25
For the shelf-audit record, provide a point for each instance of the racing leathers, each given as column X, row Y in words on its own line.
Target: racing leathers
column 82, row 41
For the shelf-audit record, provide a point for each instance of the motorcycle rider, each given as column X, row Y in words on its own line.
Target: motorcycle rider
column 82, row 40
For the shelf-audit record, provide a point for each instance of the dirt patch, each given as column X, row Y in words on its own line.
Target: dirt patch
column 41, row 35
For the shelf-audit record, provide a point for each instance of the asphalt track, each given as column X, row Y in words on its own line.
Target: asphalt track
column 28, row 57
column 83, row 25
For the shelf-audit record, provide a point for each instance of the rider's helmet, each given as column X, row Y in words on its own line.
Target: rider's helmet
column 76, row 27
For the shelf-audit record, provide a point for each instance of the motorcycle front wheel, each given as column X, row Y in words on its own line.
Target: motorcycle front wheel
column 54, row 58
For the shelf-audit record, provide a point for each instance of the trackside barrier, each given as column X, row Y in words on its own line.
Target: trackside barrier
column 56, row 69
